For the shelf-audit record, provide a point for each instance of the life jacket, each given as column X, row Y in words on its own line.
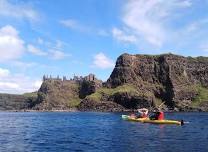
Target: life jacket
column 161, row 116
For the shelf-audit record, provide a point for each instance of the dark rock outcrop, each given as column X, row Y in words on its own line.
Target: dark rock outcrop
column 88, row 86
column 171, row 78
column 90, row 105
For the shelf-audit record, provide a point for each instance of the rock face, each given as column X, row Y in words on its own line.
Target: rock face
column 91, row 105
column 57, row 95
column 170, row 78
column 63, row 94
column 168, row 81
column 89, row 85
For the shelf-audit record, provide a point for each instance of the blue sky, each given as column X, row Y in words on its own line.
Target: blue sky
column 68, row 37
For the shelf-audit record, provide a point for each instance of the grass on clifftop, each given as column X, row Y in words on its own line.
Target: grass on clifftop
column 111, row 91
column 31, row 94
column 201, row 97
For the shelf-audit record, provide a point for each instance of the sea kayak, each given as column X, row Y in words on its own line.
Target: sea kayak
column 129, row 118
column 147, row 120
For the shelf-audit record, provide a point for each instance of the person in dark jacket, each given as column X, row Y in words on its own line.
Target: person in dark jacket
column 157, row 115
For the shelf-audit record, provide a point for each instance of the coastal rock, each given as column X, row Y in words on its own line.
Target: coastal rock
column 89, row 85
column 90, row 105
column 169, row 82
column 63, row 94
column 173, row 79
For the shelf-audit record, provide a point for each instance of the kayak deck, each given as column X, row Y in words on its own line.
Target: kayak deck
column 129, row 118
column 147, row 120
column 173, row 122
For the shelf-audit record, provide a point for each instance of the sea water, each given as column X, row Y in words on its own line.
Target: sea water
column 96, row 131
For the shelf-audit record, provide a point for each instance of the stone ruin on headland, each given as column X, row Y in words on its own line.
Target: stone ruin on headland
column 90, row 77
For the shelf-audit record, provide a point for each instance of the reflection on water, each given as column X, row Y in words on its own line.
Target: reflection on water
column 88, row 131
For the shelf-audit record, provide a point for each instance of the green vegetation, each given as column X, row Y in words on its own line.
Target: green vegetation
column 202, row 59
column 32, row 94
column 73, row 102
column 201, row 97
column 111, row 91
column 96, row 96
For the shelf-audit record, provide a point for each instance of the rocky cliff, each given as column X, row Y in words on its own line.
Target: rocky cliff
column 62, row 94
column 168, row 81
column 180, row 82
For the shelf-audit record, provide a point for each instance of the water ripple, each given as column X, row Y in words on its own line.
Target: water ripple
column 93, row 131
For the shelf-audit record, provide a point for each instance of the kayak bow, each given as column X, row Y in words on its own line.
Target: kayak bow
column 129, row 118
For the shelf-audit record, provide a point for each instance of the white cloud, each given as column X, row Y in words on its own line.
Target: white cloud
column 8, row 85
column 11, row 45
column 37, row 84
column 102, row 61
column 40, row 41
column 196, row 25
column 121, row 36
column 32, row 49
column 102, row 32
column 4, row 72
column 69, row 23
column 59, row 45
column 56, row 52
column 16, row 10
column 147, row 19
column 17, row 83
column 74, row 24
column 58, row 55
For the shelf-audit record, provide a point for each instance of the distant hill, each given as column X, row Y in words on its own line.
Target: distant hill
column 17, row 102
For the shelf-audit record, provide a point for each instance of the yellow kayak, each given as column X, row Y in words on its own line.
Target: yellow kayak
column 147, row 120
column 173, row 122
column 129, row 118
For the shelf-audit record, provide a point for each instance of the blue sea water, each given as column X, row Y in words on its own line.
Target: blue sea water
column 94, row 131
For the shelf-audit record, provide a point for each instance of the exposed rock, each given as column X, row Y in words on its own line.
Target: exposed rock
column 89, row 85
column 58, row 94
column 129, row 101
column 90, row 105
column 171, row 78
column 168, row 81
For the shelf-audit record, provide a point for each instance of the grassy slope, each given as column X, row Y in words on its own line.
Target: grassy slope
column 201, row 97
column 111, row 91
column 65, row 93
column 32, row 94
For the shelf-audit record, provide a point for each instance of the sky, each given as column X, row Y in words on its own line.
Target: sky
column 68, row 37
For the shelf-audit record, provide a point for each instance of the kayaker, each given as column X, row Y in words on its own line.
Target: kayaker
column 142, row 113
column 157, row 115
column 133, row 115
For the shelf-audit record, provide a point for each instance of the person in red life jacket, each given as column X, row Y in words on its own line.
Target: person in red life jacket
column 160, row 115
column 157, row 115
column 142, row 113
